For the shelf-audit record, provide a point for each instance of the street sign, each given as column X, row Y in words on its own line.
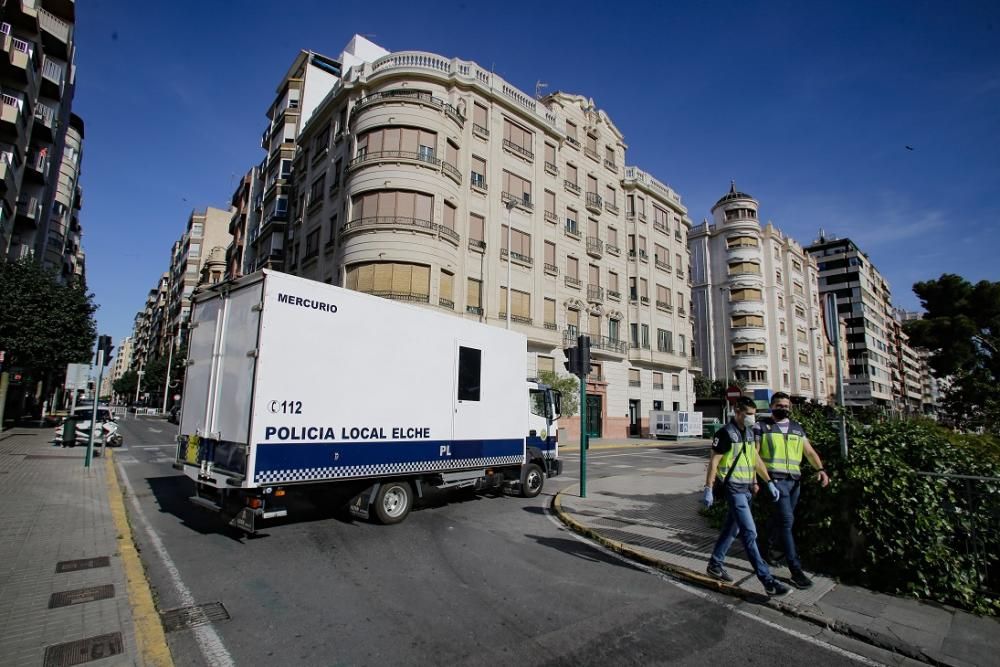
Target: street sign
column 732, row 394
column 77, row 376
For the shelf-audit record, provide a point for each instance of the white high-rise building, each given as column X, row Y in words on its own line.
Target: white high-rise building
column 756, row 303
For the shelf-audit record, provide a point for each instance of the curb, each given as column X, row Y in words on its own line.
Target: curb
column 870, row 637
column 149, row 636
column 651, row 444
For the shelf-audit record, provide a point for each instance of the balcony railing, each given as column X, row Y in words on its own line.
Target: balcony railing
column 573, row 142
column 573, row 282
column 516, row 256
column 552, row 269
column 660, row 264
column 408, row 95
column 657, row 385
column 591, row 153
column 446, row 303
column 399, row 221
column 518, row 150
column 665, row 306
column 52, row 24
column 614, row 295
column 660, row 226
column 595, row 293
column 597, row 342
column 552, row 326
column 612, row 249
column 477, row 245
column 594, row 202
column 52, row 70
column 571, row 228
column 402, row 296
column 595, row 246
column 452, row 171
column 551, row 216
column 551, row 168
column 474, row 310
column 634, row 383
column 480, row 130
column 524, row 201
column 610, row 165
column 383, row 156
column 611, row 207
column 571, row 186
column 478, row 181
column 520, row 319
column 666, row 349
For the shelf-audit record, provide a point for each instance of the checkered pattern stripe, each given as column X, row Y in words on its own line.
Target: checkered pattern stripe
column 378, row 470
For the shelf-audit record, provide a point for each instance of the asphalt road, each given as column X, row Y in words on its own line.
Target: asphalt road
column 466, row 579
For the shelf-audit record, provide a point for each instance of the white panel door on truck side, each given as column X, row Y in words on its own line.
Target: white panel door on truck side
column 470, row 395
column 198, row 375
column 237, row 360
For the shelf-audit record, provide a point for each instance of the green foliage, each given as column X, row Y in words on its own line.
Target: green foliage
column 125, row 385
column 882, row 525
column 569, row 386
column 961, row 328
column 705, row 388
column 44, row 325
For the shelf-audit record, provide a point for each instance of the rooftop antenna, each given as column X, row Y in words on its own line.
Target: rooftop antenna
column 538, row 89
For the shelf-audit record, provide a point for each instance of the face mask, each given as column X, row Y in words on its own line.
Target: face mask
column 749, row 421
column 780, row 414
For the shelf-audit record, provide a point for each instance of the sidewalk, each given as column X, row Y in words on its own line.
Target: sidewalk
column 653, row 518
column 597, row 444
column 72, row 590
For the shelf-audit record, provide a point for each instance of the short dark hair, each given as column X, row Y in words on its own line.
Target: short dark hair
column 744, row 402
column 778, row 395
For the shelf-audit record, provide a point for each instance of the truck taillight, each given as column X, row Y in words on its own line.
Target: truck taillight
column 254, row 503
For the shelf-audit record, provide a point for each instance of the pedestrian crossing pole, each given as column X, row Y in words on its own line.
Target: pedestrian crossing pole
column 578, row 364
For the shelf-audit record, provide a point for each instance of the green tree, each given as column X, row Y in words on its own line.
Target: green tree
column 569, row 386
column 961, row 328
column 44, row 324
column 705, row 388
column 125, row 385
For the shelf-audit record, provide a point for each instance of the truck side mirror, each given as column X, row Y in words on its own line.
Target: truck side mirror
column 556, row 403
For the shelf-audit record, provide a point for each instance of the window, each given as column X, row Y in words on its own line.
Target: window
column 474, row 295
column 664, row 341
column 342, row 121
column 520, row 305
column 613, row 237
column 797, row 265
column 800, row 335
column 194, row 250
column 781, row 301
column 289, row 134
column 333, row 229
column 660, row 219
column 446, row 289
column 609, row 196
column 612, row 281
column 286, row 168
column 743, row 349
column 550, row 313
column 657, row 380
column 781, row 327
column 633, row 293
column 410, row 282
column 469, row 370
column 679, row 265
column 663, row 297
column 756, row 377
column 681, row 347
column 571, row 130
column 594, row 275
column 614, row 327
column 478, row 173
column 448, row 216
column 546, row 364
column 797, row 289
column 550, row 157
column 645, row 336
column 393, row 204
column 573, row 321
column 675, row 382
column 571, row 174
column 800, row 311
column 406, row 142
column 609, row 154
column 592, row 144
column 480, row 118
column 312, row 243
column 477, row 229
column 518, row 139
column 595, row 326
column 520, row 242
column 633, row 377
column 591, row 184
column 572, row 267
column 550, row 254
column 337, row 170
column 517, row 187
column 550, row 206
column 321, row 141
column 644, row 289
column 316, row 189
column 748, row 321
column 197, row 229
column 803, row 358
column 742, row 242
column 744, row 267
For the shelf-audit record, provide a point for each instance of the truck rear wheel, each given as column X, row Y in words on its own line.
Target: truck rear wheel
column 532, row 479
column 393, row 502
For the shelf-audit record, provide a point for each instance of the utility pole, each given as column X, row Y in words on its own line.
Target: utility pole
column 166, row 384
column 578, row 364
column 103, row 356
column 138, row 381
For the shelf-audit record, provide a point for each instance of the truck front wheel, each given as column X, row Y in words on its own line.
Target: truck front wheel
column 532, row 479
column 393, row 502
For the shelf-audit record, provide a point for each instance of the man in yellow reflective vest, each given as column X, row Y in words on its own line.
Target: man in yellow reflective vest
column 733, row 469
column 782, row 444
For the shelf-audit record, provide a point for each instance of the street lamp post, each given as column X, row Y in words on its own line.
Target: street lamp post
column 510, row 206
column 166, row 383
column 138, row 382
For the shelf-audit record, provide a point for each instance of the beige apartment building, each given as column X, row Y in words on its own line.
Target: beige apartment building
column 40, row 138
column 414, row 171
column 756, row 303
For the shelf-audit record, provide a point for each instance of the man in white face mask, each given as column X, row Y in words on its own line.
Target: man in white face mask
column 732, row 471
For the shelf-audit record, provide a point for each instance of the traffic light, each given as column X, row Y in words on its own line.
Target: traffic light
column 572, row 361
column 104, row 343
column 583, row 355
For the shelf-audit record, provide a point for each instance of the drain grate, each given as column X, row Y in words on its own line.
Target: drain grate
column 82, row 564
column 83, row 650
column 81, row 595
column 183, row 618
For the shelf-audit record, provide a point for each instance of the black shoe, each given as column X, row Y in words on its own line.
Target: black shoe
column 801, row 581
column 776, row 589
column 719, row 572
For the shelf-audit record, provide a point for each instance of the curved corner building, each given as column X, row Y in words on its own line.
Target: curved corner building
column 407, row 176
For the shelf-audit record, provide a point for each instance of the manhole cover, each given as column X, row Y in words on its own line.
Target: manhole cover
column 81, row 595
column 83, row 650
column 188, row 617
column 82, row 564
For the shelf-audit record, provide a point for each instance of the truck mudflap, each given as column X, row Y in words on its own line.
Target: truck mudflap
column 247, row 518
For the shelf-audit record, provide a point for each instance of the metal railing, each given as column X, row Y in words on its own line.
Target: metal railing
column 571, row 186
column 446, row 303
column 518, row 150
column 551, row 217
column 480, row 130
column 595, row 293
column 520, row 319
column 614, row 295
column 398, row 221
column 402, row 296
column 523, row 201
column 451, row 170
column 516, row 256
column 374, row 156
column 477, row 244
column 572, row 142
column 610, row 165
column 552, row 268
column 551, row 168
column 612, row 249
column 406, row 95
column 611, row 207
column 597, row 342
column 572, row 228
column 478, row 181
column 591, row 153
column 664, row 305
column 573, row 282
column 594, row 201
column 595, row 246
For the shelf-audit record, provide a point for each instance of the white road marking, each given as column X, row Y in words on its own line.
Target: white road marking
column 208, row 639
column 155, row 430
column 709, row 598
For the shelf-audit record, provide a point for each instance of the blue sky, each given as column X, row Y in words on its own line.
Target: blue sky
column 807, row 105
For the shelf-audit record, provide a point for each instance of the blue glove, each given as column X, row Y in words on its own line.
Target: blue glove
column 773, row 488
column 707, row 498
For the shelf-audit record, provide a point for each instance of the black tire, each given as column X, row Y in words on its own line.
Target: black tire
column 532, row 480
column 393, row 502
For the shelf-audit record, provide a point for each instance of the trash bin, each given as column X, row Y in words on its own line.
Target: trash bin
column 709, row 428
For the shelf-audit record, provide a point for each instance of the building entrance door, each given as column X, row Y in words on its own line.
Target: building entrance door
column 594, row 418
column 634, row 422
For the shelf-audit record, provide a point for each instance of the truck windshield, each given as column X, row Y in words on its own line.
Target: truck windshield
column 538, row 403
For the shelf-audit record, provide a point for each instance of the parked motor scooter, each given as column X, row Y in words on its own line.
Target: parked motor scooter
column 108, row 433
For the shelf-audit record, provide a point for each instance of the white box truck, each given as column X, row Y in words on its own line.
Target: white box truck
column 295, row 385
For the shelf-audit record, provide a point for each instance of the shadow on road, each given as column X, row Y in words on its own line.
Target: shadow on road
column 581, row 550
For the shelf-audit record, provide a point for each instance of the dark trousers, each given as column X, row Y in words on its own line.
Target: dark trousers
column 779, row 529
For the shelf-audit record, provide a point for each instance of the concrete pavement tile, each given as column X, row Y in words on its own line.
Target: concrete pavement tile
column 968, row 627
column 973, row 652
column 918, row 615
column 856, row 599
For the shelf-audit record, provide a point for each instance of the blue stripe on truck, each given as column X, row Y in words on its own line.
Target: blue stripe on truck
column 300, row 462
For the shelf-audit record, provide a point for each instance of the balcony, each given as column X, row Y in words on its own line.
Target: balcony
column 411, row 296
column 519, row 151
column 29, row 209
column 55, row 27
column 376, row 157
column 52, row 79
column 11, row 112
column 452, row 172
column 474, row 310
column 520, row 319
column 664, row 306
column 640, row 255
column 477, row 245
column 44, row 123
column 595, row 294
column 447, row 304
column 517, row 257
column 682, row 312
column 572, row 282
column 552, row 326
column 597, row 342
column 571, row 228
column 36, row 166
column 375, row 223
column 550, row 216
column 407, row 96
column 644, row 300
column 614, row 295
column 657, row 385
column 592, row 154
column 523, row 201
column 480, row 131
column 595, row 248
column 552, row 269
column 611, row 165
column 573, row 142
column 661, row 227
column 612, row 249
column 572, row 187
column 594, row 202
column 478, row 182
column 660, row 264
column 611, row 208
column 551, row 168
column 8, row 167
